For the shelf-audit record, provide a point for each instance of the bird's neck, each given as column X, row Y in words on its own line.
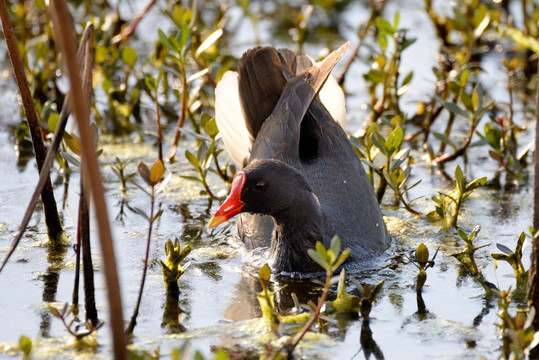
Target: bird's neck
column 293, row 235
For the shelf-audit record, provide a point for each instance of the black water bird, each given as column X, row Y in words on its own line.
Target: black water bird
column 301, row 181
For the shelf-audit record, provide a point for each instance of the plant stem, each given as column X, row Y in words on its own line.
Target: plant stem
column 181, row 116
column 64, row 30
column 316, row 314
column 52, row 219
column 133, row 321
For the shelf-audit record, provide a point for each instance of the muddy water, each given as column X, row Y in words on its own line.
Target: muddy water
column 453, row 319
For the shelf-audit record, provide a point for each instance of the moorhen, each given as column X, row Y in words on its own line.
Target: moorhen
column 301, row 181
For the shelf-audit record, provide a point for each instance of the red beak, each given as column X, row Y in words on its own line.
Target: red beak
column 233, row 204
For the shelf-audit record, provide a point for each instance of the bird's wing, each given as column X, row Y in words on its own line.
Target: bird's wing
column 278, row 137
column 331, row 95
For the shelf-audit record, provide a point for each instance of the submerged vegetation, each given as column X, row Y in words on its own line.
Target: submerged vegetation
column 153, row 86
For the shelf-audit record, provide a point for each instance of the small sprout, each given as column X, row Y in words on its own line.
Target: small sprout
column 448, row 205
column 266, row 298
column 119, row 169
column 344, row 303
column 422, row 262
column 329, row 259
column 368, row 295
column 172, row 268
column 25, row 344
column 514, row 259
column 466, row 257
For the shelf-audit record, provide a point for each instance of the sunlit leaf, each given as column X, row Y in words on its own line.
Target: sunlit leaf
column 158, row 169
column 210, row 40
column 25, row 344
column 192, row 159
column 129, row 56
column 264, row 275
column 459, row 177
column 319, row 259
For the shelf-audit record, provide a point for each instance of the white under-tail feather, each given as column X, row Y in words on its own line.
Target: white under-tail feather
column 231, row 122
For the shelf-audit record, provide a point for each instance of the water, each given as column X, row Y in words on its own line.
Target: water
column 454, row 321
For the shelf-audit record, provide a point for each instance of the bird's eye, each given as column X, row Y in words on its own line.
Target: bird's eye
column 260, row 186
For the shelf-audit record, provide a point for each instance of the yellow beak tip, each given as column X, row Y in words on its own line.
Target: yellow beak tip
column 216, row 220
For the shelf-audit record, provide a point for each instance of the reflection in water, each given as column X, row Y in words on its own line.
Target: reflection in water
column 172, row 313
column 55, row 257
column 422, row 312
column 484, row 311
column 368, row 345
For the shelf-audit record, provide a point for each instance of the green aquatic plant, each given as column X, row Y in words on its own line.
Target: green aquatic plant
column 368, row 295
column 514, row 258
column 448, row 205
column 330, row 260
column 119, row 168
column 208, row 149
column 467, row 256
column 152, row 178
column 471, row 106
column 172, row 270
column 345, row 302
column 518, row 333
column 25, row 344
column 383, row 79
column 386, row 158
column 422, row 262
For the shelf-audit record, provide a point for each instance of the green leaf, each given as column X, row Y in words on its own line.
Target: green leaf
column 408, row 78
column 53, row 120
column 129, row 56
column 461, row 181
column 467, row 101
column 171, row 71
column 463, row 77
column 477, row 183
column 211, row 128
column 396, row 20
column 454, row 108
column 341, row 259
column 384, row 26
column 192, row 178
column 336, row 245
column 378, row 141
column 319, row 259
column 25, row 344
column 394, row 140
column 141, row 212
column 475, row 100
column 462, row 234
column 192, row 159
column 149, row 81
column 444, row 139
column 165, row 41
